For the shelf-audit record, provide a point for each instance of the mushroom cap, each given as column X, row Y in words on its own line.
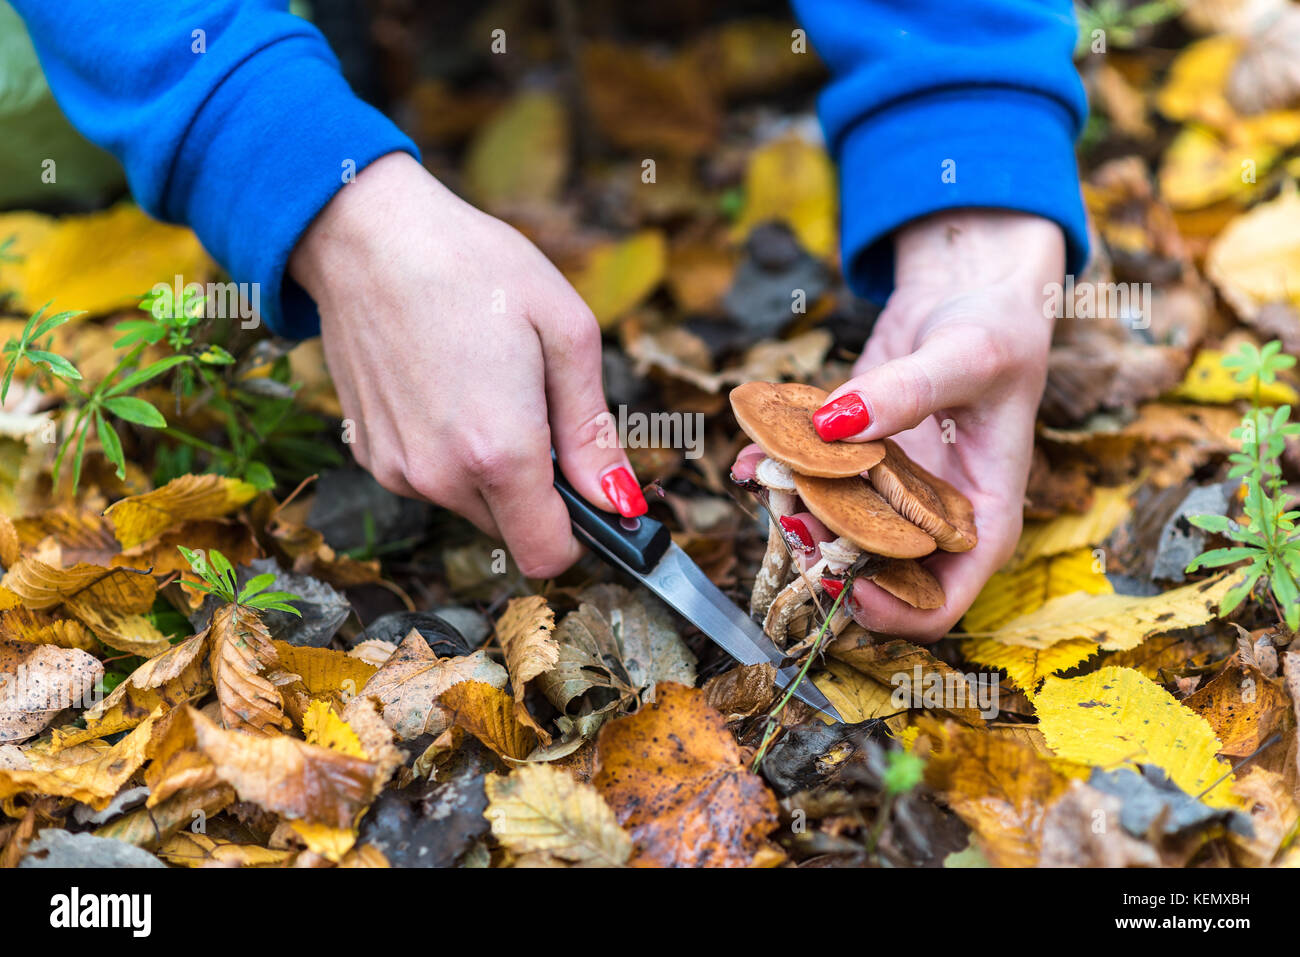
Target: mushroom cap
column 911, row 582
column 925, row 500
column 779, row 418
column 851, row 508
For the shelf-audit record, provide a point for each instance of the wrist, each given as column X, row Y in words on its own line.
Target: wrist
column 976, row 248
column 356, row 224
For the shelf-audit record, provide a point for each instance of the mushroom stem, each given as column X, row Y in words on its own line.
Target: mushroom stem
column 776, row 560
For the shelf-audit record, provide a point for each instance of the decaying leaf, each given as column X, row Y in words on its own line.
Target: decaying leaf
column 792, row 181
column 190, row 497
column 917, row 677
column 538, row 809
column 617, row 275
column 246, row 671
column 524, row 632
column 492, row 716
column 39, row 681
column 412, row 679
column 672, row 774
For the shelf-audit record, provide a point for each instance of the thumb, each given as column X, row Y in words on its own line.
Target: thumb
column 949, row 370
column 583, row 431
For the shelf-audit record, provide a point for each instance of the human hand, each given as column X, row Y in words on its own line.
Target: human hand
column 463, row 355
column 954, row 371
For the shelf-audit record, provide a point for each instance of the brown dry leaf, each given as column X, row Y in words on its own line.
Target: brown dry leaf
column 83, row 534
column 1243, row 706
column 246, row 671
column 39, row 681
column 743, row 691
column 187, row 498
column 754, row 55
column 640, row 101
column 176, row 764
column 175, row 677
column 162, row 557
column 94, row 779
column 1071, row 838
column 10, row 546
column 492, row 716
column 148, row 827
column 298, row 780
column 324, row 674
column 616, row 276
column 524, row 632
column 187, row 849
column 996, row 784
column 700, row 273
column 110, row 601
column 540, row 810
column 412, row 679
column 1274, row 814
column 901, row 665
column 519, row 157
column 103, row 261
column 673, row 776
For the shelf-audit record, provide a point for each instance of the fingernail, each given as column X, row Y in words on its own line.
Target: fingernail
column 833, row 587
column 623, row 492
column 796, row 533
column 846, row 416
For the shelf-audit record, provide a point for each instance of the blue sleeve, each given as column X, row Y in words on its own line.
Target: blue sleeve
column 230, row 116
column 984, row 90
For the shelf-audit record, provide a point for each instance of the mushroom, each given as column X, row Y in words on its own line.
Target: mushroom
column 911, row 582
column 779, row 418
column 779, row 499
column 925, row 500
column 851, row 509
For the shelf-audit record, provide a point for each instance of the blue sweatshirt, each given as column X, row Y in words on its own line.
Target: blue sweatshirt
column 231, row 116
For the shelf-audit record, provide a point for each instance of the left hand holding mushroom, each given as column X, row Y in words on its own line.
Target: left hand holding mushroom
column 954, row 371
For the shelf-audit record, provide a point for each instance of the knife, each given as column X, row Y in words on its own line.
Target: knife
column 644, row 549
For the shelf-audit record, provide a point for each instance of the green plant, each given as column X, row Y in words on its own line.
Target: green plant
column 29, row 348
column 219, row 579
column 1119, row 21
column 1267, row 539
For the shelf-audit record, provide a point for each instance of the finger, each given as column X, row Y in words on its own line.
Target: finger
column 955, row 366
column 584, row 432
column 531, row 516
column 747, row 459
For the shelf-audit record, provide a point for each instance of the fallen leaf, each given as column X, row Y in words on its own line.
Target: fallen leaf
column 1255, row 261
column 519, row 157
column 616, row 276
column 187, row 498
column 245, row 669
column 1117, row 716
column 39, row 681
column 540, row 810
column 1208, row 381
column 492, row 716
column 524, row 632
column 792, row 181
column 188, row 849
column 1068, row 533
column 673, row 776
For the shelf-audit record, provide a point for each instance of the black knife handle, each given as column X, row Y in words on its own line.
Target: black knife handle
column 638, row 543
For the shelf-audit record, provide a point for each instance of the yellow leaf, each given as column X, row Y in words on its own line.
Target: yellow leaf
column 792, row 181
column 1208, row 381
column 331, row 843
column 28, row 231
column 1014, row 592
column 1116, row 622
column 187, row 849
column 1116, row 717
column 1026, row 667
column 1199, row 169
column 106, row 260
column 140, row 517
column 1255, row 261
column 525, row 633
column 492, row 716
column 325, row 673
column 915, row 674
column 1065, row 533
column 520, row 155
column 617, row 276
column 1197, row 80
column 322, row 725
column 539, row 809
column 857, row 697
column 42, row 628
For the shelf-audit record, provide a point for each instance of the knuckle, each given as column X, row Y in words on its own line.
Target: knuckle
column 491, row 462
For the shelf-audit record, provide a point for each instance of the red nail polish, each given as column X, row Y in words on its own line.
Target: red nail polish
column 846, row 416
column 623, row 492
column 833, row 587
column 796, row 533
